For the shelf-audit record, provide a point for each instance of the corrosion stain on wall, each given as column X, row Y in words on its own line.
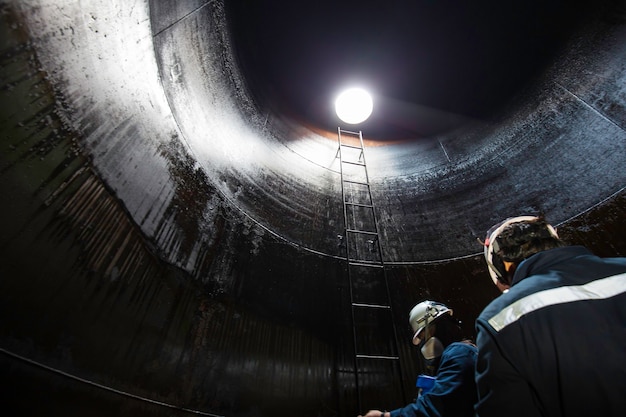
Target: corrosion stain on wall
column 194, row 219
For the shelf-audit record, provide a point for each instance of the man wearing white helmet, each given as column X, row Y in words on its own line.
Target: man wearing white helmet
column 450, row 359
column 554, row 343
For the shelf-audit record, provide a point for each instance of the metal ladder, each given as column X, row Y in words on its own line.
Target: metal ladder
column 377, row 372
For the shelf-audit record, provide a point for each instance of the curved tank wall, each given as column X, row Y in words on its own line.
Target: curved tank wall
column 170, row 245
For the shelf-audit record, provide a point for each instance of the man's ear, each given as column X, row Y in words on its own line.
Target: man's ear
column 508, row 266
column 510, row 269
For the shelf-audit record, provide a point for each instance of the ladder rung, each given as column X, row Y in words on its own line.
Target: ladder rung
column 348, row 131
column 351, row 146
column 365, row 232
column 370, row 305
column 356, row 182
column 353, row 163
column 358, row 204
column 392, row 358
column 372, row 264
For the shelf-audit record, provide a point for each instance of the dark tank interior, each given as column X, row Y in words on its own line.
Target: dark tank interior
column 174, row 220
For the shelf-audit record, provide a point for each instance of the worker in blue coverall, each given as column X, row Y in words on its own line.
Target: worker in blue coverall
column 554, row 343
column 450, row 358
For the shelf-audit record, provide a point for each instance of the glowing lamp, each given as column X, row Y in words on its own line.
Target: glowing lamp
column 354, row 105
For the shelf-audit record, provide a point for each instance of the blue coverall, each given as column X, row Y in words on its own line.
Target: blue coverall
column 454, row 392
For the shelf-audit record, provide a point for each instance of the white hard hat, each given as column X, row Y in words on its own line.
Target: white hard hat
column 491, row 245
column 423, row 314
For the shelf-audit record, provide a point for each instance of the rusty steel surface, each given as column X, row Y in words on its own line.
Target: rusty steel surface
column 169, row 240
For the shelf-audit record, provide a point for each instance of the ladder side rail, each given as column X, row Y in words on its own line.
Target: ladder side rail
column 367, row 178
column 350, row 284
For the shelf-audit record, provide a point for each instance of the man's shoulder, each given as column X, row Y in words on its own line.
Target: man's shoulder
column 527, row 286
column 575, row 272
column 495, row 306
column 459, row 357
column 461, row 348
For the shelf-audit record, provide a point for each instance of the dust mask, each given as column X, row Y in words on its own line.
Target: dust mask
column 433, row 348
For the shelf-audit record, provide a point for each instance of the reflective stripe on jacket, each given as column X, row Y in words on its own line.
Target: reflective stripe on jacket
column 555, row 344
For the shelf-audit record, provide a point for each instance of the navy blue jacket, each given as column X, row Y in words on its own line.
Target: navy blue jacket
column 554, row 345
column 454, row 392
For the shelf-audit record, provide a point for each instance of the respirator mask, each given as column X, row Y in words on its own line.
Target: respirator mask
column 432, row 351
column 432, row 348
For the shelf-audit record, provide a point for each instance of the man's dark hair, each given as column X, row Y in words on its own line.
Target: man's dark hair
column 521, row 240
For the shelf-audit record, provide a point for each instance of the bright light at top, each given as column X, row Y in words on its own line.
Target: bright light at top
column 354, row 105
